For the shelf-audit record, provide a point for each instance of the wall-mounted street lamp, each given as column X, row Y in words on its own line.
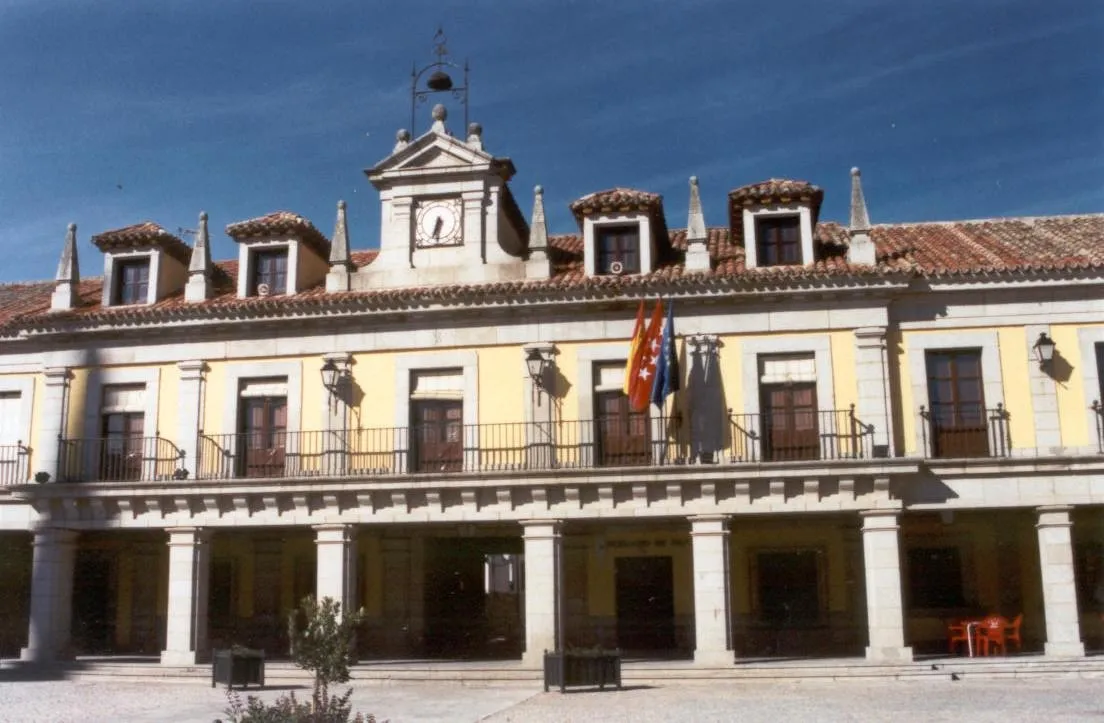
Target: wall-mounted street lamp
column 331, row 375
column 537, row 362
column 1044, row 349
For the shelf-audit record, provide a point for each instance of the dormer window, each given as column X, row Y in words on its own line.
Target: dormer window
column 269, row 271
column 618, row 250
column 131, row 281
column 778, row 240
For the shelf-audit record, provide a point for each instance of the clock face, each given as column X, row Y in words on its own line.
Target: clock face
column 438, row 223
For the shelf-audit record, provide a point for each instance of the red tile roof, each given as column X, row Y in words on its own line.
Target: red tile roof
column 146, row 234
column 617, row 200
column 280, row 222
column 961, row 248
column 776, row 190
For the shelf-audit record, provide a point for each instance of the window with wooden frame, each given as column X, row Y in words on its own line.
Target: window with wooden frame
column 778, row 240
column 262, row 428
column 618, row 249
column 269, row 271
column 957, row 416
column 122, row 425
column 622, row 437
column 131, row 281
column 437, row 421
column 788, row 404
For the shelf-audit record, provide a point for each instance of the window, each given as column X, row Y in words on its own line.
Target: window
column 437, row 421
column 788, row 403
column 131, row 281
column 263, row 428
column 122, row 424
column 788, row 587
column 957, row 413
column 935, row 577
column 1099, row 348
column 269, row 269
column 618, row 245
column 778, row 240
column 624, row 436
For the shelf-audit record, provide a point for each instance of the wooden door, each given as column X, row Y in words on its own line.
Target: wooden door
column 437, row 435
column 264, row 437
column 959, row 427
column 790, row 429
column 121, row 451
column 624, row 436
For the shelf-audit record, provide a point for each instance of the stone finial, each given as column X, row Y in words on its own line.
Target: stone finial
column 475, row 136
column 341, row 265
column 68, row 274
column 402, row 140
column 860, row 219
column 440, row 115
column 537, row 266
column 697, row 250
column 200, row 268
column 861, row 248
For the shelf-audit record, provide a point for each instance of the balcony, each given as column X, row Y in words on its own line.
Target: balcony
column 13, row 464
column 119, row 459
column 965, row 430
column 800, row 435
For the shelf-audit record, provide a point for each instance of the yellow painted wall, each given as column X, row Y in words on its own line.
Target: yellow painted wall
column 501, row 385
column 843, row 370
column 605, row 550
column 214, row 391
column 1073, row 398
column 374, row 377
column 1017, row 387
column 78, row 403
column 168, row 405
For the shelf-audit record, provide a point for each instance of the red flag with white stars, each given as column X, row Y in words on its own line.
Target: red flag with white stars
column 642, row 370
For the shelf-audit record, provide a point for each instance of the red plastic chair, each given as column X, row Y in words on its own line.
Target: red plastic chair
column 957, row 634
column 1012, row 632
column 991, row 635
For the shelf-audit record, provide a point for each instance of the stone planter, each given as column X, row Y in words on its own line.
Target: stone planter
column 582, row 668
column 238, row 666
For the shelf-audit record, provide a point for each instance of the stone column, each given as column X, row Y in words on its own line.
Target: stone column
column 51, row 422
column 190, row 402
column 873, row 403
column 337, row 564
column 543, row 545
column 884, row 606
column 1044, row 396
column 189, row 576
column 1063, row 623
column 709, row 536
column 539, row 429
column 51, row 596
column 335, row 416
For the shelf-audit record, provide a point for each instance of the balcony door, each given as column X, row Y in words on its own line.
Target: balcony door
column 955, row 394
column 121, row 453
column 436, row 435
column 263, row 436
column 789, row 421
column 624, row 436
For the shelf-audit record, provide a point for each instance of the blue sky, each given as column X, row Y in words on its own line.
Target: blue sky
column 953, row 109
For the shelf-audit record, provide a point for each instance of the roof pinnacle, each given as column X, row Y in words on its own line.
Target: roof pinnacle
column 68, row 273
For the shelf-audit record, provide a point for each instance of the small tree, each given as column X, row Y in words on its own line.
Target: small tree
column 322, row 641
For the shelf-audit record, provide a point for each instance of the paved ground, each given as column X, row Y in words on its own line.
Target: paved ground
column 930, row 700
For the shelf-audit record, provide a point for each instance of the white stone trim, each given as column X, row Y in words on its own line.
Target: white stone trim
column 25, row 389
column 1087, row 340
column 751, row 240
column 110, row 261
column 820, row 346
column 246, row 257
column 240, row 371
column 591, row 224
column 917, row 347
column 100, row 378
column 466, row 361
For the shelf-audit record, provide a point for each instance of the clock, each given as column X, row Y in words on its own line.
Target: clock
column 437, row 223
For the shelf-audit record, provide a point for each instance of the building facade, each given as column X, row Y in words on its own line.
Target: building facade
column 879, row 428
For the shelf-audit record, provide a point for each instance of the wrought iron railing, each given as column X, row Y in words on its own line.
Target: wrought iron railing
column 792, row 435
column 118, row 459
column 13, row 464
column 965, row 430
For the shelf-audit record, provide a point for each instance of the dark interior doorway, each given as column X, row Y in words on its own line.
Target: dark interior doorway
column 645, row 604
column 94, row 603
column 789, row 587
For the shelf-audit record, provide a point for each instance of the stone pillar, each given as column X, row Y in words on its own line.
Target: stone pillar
column 1044, row 396
column 335, row 416
column 873, row 403
column 713, row 644
column 884, row 606
column 1063, row 624
column 189, row 576
column 539, row 430
column 337, row 564
column 51, row 596
column 190, row 402
column 51, row 422
column 543, row 545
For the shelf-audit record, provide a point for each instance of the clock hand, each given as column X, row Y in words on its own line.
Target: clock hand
column 437, row 227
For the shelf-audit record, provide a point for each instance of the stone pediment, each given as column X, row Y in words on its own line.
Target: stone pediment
column 436, row 153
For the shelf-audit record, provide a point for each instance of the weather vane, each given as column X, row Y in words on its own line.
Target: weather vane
column 439, row 81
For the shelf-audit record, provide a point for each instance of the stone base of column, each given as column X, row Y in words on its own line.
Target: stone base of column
column 1064, row 650
column 889, row 655
column 533, row 660
column 179, row 657
column 43, row 655
column 714, row 658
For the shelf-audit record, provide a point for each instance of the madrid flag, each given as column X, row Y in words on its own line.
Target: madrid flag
column 642, row 366
column 634, row 348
